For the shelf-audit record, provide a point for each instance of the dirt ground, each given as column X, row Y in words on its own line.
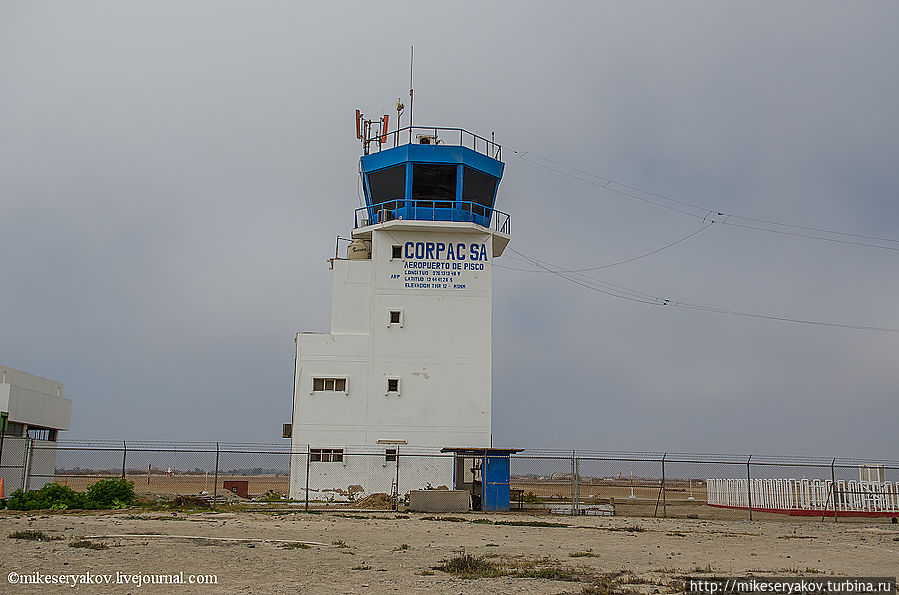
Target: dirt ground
column 386, row 552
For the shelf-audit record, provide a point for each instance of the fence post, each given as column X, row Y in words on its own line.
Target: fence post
column 124, row 456
column 664, row 489
column 577, row 484
column 215, row 481
column 749, row 486
column 573, row 484
column 308, row 459
column 661, row 490
column 396, row 501
column 2, row 435
column 26, row 461
column 833, row 490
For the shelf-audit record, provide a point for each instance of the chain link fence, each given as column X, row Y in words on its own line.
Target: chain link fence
column 548, row 481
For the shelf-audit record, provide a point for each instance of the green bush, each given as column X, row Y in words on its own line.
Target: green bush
column 111, row 493
column 106, row 493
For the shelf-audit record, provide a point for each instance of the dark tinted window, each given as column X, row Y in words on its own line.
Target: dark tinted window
column 433, row 182
column 387, row 184
column 478, row 187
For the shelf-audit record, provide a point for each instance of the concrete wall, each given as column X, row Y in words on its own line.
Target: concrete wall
column 366, row 467
column 33, row 400
column 441, row 352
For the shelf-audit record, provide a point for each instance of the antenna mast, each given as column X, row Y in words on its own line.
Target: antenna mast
column 411, row 62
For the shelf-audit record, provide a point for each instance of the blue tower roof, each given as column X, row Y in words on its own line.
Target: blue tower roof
column 447, row 174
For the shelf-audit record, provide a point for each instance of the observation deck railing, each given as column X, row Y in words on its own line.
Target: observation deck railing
column 434, row 210
column 443, row 135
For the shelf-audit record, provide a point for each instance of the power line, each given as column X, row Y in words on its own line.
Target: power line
column 614, row 264
column 634, row 295
column 704, row 213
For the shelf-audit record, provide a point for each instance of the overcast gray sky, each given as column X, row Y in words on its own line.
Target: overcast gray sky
column 173, row 176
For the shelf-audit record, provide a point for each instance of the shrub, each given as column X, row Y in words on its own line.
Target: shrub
column 111, row 493
column 107, row 493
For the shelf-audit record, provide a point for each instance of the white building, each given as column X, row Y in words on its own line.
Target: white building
column 32, row 413
column 407, row 363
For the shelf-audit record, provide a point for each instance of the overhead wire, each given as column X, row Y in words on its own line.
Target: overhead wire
column 620, row 262
column 625, row 293
column 701, row 212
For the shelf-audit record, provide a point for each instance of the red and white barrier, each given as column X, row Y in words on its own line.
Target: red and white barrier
column 809, row 497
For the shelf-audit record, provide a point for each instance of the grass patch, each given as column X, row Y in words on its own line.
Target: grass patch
column 482, row 522
column 294, row 546
column 610, row 584
column 350, row 516
column 361, row 567
column 492, row 545
column 467, row 566
column 91, row 545
column 630, row 529
column 586, row 554
column 531, row 524
column 402, row 547
column 449, row 519
column 553, row 573
column 339, row 543
column 32, row 535
column 426, row 573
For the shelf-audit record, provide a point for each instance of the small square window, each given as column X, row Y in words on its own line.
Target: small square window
column 329, row 383
column 340, row 384
column 396, row 317
column 390, row 455
column 393, row 385
column 318, row 384
column 396, row 251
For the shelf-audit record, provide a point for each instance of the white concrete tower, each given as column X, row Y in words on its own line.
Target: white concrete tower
column 408, row 362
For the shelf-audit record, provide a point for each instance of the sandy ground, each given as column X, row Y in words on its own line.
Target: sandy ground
column 383, row 552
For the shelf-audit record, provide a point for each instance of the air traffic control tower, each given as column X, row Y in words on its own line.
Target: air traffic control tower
column 407, row 364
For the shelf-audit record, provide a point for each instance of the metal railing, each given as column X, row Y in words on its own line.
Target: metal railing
column 544, row 481
column 434, row 210
column 439, row 135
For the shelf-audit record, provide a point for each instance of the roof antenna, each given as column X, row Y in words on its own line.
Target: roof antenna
column 411, row 62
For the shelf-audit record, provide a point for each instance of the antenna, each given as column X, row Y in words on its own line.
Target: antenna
column 411, row 62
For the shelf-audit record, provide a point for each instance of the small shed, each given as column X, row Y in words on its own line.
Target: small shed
column 485, row 473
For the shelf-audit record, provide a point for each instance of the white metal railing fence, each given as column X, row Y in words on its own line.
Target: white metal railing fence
column 804, row 494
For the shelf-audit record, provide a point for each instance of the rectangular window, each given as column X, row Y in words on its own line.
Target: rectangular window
column 42, row 434
column 326, row 455
column 478, row 187
column 396, row 317
column 390, row 455
column 431, row 181
column 328, row 385
column 387, row 184
column 15, row 428
column 396, row 251
column 393, row 385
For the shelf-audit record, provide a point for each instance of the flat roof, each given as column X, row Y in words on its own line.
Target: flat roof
column 476, row 451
